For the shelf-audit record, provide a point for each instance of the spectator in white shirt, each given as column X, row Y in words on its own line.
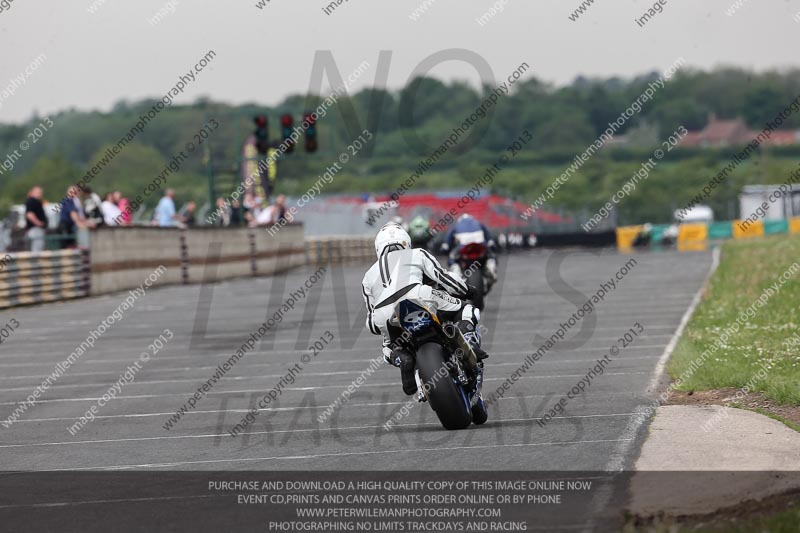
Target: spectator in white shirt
column 111, row 212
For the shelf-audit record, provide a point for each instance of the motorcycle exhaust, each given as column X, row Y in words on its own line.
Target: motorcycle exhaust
column 463, row 348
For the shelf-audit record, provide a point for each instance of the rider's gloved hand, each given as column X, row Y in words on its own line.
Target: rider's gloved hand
column 471, row 293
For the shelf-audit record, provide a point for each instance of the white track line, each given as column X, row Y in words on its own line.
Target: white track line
column 325, row 455
column 588, row 395
column 354, row 372
column 348, row 405
column 617, row 460
column 279, row 431
column 318, row 387
column 224, row 356
column 97, row 502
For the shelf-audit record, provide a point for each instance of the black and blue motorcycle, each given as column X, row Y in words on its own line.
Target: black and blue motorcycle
column 448, row 374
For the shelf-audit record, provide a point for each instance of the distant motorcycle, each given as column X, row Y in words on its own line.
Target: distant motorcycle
column 472, row 259
column 448, row 374
column 420, row 233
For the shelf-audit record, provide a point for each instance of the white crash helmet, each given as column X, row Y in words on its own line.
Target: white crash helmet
column 391, row 234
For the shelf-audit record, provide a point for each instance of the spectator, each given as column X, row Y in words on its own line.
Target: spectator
column 72, row 216
column 257, row 212
column 187, row 213
column 249, row 205
column 122, row 204
column 35, row 219
column 111, row 211
column 280, row 205
column 250, row 209
column 224, row 218
column 93, row 210
column 165, row 215
column 236, row 213
column 273, row 213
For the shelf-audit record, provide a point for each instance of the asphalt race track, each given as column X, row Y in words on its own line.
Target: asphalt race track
column 597, row 431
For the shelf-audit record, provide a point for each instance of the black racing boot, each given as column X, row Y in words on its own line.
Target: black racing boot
column 407, row 368
column 473, row 338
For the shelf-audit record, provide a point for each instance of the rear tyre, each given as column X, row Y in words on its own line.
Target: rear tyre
column 446, row 398
column 475, row 280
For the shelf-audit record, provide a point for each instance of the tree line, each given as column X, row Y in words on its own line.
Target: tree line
column 410, row 122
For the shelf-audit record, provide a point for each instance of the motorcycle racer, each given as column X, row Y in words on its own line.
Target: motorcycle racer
column 467, row 230
column 402, row 272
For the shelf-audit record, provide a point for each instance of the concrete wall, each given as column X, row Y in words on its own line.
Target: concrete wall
column 122, row 258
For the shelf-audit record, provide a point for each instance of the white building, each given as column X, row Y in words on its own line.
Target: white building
column 776, row 202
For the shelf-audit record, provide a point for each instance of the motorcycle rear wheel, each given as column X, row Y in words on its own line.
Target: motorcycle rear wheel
column 445, row 397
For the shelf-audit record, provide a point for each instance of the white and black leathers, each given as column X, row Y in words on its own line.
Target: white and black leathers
column 411, row 273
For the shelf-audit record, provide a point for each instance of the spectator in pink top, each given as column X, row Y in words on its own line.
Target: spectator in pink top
column 122, row 204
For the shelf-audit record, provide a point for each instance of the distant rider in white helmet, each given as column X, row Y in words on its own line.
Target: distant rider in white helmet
column 402, row 273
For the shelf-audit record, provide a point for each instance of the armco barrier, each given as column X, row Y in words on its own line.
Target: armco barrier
column 27, row 278
column 339, row 249
column 720, row 230
column 776, row 227
column 123, row 257
column 756, row 229
column 577, row 238
column 626, row 235
column 692, row 237
column 697, row 236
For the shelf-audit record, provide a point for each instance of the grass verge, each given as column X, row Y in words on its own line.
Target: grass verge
column 777, row 514
column 741, row 336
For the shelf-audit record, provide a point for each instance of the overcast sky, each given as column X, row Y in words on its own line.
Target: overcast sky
column 95, row 60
